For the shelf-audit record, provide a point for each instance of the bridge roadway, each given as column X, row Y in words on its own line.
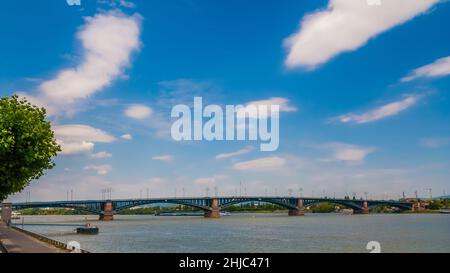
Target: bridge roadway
column 210, row 205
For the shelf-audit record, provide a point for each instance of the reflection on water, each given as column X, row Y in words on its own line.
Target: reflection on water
column 255, row 233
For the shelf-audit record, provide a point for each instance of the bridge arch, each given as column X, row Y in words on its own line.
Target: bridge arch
column 395, row 205
column 351, row 204
column 128, row 205
column 283, row 202
column 60, row 206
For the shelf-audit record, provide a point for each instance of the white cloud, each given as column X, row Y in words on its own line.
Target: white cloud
column 101, row 155
column 99, row 169
column 261, row 164
column 283, row 104
column 234, row 154
column 348, row 152
column 387, row 110
column 435, row 142
column 79, row 139
column 439, row 68
column 108, row 39
column 126, row 137
column 138, row 111
column 79, row 132
column 75, row 148
column 346, row 25
column 165, row 158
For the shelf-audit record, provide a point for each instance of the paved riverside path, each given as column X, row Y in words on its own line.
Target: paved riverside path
column 17, row 242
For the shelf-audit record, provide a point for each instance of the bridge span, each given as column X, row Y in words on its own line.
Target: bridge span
column 212, row 206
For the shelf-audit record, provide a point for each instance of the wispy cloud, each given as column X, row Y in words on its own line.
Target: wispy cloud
column 183, row 91
column 381, row 112
column 348, row 152
column 346, row 25
column 243, row 151
column 283, row 104
column 165, row 158
column 101, row 155
column 108, row 40
column 261, row 164
column 118, row 3
column 138, row 111
column 174, row 92
column 99, row 169
column 210, row 181
column 435, row 142
column 126, row 137
column 439, row 68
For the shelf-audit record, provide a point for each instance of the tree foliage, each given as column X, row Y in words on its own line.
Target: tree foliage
column 323, row 208
column 27, row 144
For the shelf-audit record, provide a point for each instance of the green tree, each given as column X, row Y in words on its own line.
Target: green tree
column 27, row 144
column 323, row 208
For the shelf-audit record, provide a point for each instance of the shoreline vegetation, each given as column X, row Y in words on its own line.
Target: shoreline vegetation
column 261, row 208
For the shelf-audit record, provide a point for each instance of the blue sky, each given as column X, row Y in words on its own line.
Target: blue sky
column 369, row 84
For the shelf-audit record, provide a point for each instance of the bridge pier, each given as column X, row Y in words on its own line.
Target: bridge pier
column 300, row 210
column 215, row 210
column 364, row 209
column 6, row 213
column 418, row 207
column 108, row 212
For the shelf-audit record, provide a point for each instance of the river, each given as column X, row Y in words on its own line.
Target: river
column 255, row 233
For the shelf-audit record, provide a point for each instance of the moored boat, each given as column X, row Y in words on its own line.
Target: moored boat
column 88, row 229
column 15, row 215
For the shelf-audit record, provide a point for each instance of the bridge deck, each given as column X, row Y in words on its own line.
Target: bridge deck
column 206, row 203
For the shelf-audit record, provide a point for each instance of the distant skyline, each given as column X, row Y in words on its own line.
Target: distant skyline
column 363, row 91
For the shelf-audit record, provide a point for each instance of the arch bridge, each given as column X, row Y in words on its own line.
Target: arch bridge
column 210, row 205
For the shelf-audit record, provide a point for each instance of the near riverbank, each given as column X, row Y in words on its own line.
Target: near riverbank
column 14, row 241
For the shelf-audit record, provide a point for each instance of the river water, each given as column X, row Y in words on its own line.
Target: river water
column 253, row 233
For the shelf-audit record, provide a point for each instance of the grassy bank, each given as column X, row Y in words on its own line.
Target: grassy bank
column 421, row 212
